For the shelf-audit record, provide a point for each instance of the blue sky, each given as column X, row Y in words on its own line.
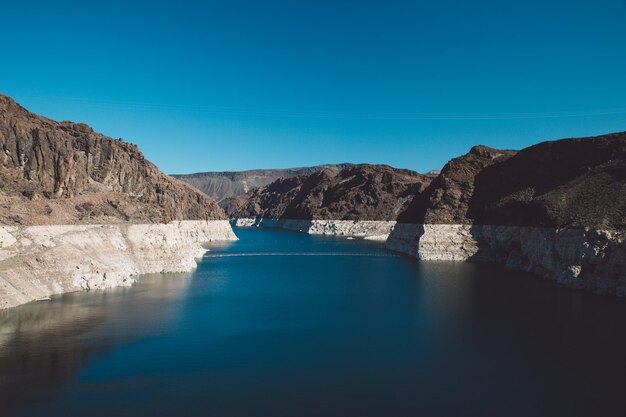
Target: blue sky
column 233, row 85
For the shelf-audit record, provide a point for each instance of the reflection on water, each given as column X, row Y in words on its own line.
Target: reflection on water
column 42, row 344
column 330, row 327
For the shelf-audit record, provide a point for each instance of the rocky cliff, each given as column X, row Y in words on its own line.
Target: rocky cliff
column 565, row 183
column 38, row 261
column 221, row 185
column 447, row 199
column 359, row 192
column 556, row 208
column 574, row 183
column 79, row 210
column 63, row 173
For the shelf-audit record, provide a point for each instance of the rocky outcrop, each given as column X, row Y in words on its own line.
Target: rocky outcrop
column 79, row 210
column 269, row 202
column 366, row 229
column 38, row 261
column 64, row 173
column 556, row 208
column 448, row 197
column 360, row 192
column 222, row 185
column 580, row 258
column 360, row 201
column 572, row 183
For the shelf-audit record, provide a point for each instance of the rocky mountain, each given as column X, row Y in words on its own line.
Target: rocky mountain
column 564, row 183
column 221, row 185
column 570, row 183
column 65, row 173
column 447, row 198
column 359, row 192
column 556, row 209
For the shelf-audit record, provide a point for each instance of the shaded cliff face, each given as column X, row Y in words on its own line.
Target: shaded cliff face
column 360, row 192
column 557, row 209
column 221, row 185
column 447, row 199
column 564, row 183
column 62, row 173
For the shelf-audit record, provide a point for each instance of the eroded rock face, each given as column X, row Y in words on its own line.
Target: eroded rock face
column 447, row 199
column 574, row 183
column 63, row 173
column 566, row 183
column 365, row 229
column 222, row 185
column 268, row 202
column 360, row 192
column 580, row 258
column 38, row 261
column 557, row 209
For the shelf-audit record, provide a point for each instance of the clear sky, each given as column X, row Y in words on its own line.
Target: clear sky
column 230, row 85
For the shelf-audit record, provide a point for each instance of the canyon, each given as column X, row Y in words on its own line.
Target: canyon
column 79, row 210
column 557, row 209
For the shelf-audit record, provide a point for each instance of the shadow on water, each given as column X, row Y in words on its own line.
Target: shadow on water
column 519, row 340
column 43, row 344
column 325, row 329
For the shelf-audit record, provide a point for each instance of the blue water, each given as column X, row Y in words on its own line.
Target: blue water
column 286, row 324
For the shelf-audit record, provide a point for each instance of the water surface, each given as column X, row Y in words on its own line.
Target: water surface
column 286, row 324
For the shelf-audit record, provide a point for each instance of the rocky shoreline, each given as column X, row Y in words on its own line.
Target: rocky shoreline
column 39, row 261
column 592, row 259
column 366, row 229
column 80, row 210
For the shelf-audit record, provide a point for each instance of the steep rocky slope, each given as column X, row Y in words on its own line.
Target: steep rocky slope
column 221, row 185
column 579, row 183
column 360, row 192
column 63, row 172
column 565, row 183
column 448, row 197
column 79, row 210
column 556, row 208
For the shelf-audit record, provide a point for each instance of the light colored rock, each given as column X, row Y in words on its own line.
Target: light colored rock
column 366, row 229
column 405, row 238
column 246, row 222
column 446, row 243
column 381, row 238
column 593, row 259
column 38, row 261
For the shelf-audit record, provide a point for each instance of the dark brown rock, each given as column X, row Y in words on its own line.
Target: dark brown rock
column 565, row 183
column 64, row 172
column 575, row 183
column 359, row 192
column 447, row 198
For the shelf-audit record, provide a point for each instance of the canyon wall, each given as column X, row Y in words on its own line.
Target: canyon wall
column 79, row 210
column 557, row 209
column 358, row 201
column 359, row 192
column 366, row 229
column 65, row 173
column 580, row 258
column 39, row 261
column 222, row 185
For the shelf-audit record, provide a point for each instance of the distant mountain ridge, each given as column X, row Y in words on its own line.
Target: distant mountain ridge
column 222, row 185
column 358, row 192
